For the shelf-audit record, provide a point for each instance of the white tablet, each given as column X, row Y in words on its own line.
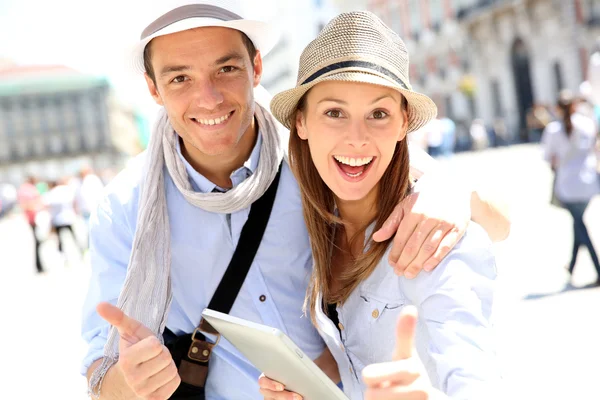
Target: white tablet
column 276, row 355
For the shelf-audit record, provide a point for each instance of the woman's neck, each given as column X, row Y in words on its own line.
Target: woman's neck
column 356, row 215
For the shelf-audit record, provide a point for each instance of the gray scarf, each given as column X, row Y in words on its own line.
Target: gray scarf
column 146, row 294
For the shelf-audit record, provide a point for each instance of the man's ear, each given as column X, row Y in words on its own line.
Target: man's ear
column 301, row 125
column 153, row 90
column 258, row 68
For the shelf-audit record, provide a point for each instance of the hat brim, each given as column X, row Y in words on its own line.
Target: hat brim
column 421, row 109
column 263, row 35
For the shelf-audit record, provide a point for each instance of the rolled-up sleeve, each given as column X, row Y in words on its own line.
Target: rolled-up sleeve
column 455, row 305
column 110, row 248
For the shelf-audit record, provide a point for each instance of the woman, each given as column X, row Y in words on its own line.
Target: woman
column 569, row 147
column 348, row 118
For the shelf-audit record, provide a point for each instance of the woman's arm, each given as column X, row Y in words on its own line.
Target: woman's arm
column 455, row 305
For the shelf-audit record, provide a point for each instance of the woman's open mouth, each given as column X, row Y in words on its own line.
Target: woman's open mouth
column 354, row 169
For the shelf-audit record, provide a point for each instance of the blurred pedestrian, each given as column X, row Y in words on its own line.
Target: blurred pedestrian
column 501, row 132
column 88, row 194
column 479, row 135
column 593, row 74
column 569, row 146
column 60, row 201
column 449, row 135
column 30, row 202
column 435, row 137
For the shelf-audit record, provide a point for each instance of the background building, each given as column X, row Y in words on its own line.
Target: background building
column 299, row 22
column 492, row 59
column 53, row 120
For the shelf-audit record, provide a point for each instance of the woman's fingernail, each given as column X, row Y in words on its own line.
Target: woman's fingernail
column 429, row 267
column 297, row 396
column 279, row 387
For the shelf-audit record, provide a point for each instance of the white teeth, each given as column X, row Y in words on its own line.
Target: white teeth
column 216, row 121
column 354, row 162
column 355, row 175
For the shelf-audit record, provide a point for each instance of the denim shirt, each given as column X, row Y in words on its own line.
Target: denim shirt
column 454, row 335
column 202, row 244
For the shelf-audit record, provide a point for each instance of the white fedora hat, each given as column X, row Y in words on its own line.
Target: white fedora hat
column 355, row 47
column 176, row 16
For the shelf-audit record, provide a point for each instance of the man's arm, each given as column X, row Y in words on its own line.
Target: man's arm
column 430, row 222
column 110, row 247
column 491, row 213
column 114, row 386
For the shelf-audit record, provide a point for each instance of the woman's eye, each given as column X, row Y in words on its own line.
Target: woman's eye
column 334, row 113
column 179, row 79
column 379, row 114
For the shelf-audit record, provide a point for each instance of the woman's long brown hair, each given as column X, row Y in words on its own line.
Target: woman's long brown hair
column 318, row 208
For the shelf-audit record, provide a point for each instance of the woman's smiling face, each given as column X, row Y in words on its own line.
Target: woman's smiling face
column 352, row 130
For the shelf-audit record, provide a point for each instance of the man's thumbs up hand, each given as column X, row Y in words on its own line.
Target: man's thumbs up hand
column 146, row 365
column 129, row 329
column 399, row 379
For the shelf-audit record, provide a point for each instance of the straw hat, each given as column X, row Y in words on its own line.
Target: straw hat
column 356, row 47
column 172, row 16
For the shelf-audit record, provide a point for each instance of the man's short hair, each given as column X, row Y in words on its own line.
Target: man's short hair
column 148, row 55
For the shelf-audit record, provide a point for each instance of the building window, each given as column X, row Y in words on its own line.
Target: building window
column 436, row 10
column 448, row 107
column 594, row 12
column 395, row 18
column 465, row 64
column 414, row 11
column 442, row 65
column 496, row 100
column 558, row 78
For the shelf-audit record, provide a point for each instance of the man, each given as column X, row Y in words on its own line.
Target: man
column 59, row 201
column 88, row 194
column 162, row 238
column 30, row 202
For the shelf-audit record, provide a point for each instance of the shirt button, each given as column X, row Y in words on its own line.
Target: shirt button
column 340, row 326
column 262, row 298
column 350, row 369
column 342, row 347
column 375, row 313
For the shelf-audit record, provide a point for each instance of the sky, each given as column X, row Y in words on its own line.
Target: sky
column 90, row 36
column 93, row 37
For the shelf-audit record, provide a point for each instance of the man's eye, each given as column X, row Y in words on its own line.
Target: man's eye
column 179, row 79
column 379, row 114
column 334, row 113
column 228, row 68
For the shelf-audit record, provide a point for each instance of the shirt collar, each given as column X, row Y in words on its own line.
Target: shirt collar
column 201, row 184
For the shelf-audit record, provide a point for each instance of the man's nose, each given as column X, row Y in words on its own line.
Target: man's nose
column 207, row 95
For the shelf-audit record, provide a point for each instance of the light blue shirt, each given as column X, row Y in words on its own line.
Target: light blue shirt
column 202, row 244
column 454, row 335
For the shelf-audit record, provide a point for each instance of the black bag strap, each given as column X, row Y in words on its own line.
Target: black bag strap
column 191, row 352
column 245, row 251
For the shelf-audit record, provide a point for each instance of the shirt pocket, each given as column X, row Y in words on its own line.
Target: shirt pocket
column 375, row 324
